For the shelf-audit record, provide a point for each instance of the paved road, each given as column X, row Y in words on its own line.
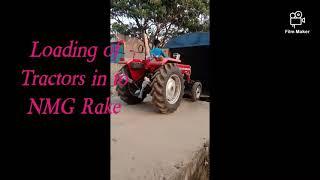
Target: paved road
column 149, row 145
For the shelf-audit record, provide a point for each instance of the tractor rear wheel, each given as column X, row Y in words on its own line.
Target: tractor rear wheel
column 126, row 92
column 167, row 88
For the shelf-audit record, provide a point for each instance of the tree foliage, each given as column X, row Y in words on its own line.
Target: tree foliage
column 161, row 19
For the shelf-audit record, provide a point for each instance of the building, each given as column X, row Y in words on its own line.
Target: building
column 130, row 44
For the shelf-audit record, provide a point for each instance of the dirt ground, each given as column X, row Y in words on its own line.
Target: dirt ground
column 149, row 145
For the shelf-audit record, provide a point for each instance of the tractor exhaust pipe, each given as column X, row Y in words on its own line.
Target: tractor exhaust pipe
column 146, row 44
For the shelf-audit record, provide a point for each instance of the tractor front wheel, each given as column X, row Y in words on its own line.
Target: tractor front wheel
column 167, row 88
column 196, row 91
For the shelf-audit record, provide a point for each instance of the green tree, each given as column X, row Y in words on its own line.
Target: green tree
column 161, row 19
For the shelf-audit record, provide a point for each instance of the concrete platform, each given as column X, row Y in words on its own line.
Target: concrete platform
column 149, row 145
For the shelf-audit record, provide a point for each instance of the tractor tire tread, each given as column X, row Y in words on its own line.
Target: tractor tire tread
column 158, row 88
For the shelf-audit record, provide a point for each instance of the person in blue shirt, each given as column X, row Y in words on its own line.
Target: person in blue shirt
column 156, row 51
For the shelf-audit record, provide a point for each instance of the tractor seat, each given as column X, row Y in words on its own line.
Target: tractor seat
column 160, row 58
column 136, row 65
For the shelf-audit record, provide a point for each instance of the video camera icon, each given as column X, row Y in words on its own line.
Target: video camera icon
column 296, row 19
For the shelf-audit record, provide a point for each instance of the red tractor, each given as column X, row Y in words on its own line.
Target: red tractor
column 164, row 78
